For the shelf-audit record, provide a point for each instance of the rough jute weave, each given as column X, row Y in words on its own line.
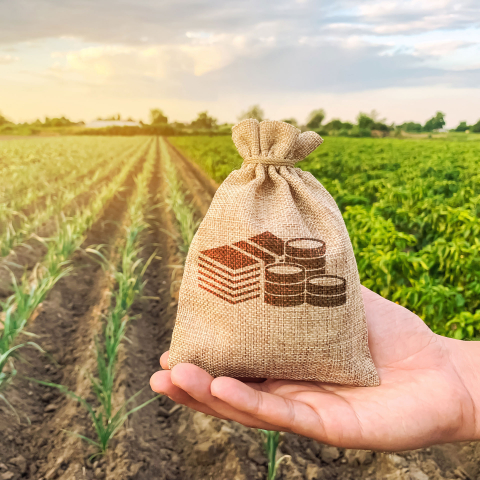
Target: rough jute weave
column 271, row 286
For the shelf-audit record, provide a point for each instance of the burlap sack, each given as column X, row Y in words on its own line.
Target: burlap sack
column 271, row 287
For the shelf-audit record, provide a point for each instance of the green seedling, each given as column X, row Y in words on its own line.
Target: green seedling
column 178, row 204
column 105, row 427
column 272, row 440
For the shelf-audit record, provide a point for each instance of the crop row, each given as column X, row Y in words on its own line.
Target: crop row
column 176, row 199
column 37, row 167
column 24, row 210
column 63, row 201
column 126, row 269
column 33, row 288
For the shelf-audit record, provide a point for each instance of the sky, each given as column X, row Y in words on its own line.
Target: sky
column 88, row 58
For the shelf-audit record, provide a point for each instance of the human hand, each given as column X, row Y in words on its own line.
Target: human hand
column 429, row 392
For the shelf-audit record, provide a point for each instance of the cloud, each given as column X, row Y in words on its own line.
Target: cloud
column 230, row 64
column 439, row 49
column 388, row 17
column 200, row 54
column 135, row 22
column 6, row 59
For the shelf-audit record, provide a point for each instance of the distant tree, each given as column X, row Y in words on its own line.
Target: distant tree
column 334, row 124
column 291, row 121
column 111, row 118
column 462, row 127
column 365, row 120
column 411, row 127
column 255, row 111
column 204, row 121
column 58, row 122
column 475, row 128
column 316, row 118
column 3, row 120
column 435, row 123
column 382, row 127
column 157, row 117
column 178, row 125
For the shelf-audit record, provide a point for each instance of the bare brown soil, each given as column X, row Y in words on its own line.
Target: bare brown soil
column 162, row 441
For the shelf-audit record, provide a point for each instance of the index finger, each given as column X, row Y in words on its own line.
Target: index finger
column 164, row 360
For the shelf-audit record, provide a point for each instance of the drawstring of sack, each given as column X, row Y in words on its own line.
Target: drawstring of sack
column 276, row 162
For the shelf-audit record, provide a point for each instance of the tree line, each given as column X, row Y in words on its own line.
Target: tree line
column 366, row 125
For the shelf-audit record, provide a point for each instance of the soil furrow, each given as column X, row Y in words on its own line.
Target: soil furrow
column 200, row 187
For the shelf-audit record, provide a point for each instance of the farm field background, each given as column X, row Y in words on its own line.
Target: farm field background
column 93, row 235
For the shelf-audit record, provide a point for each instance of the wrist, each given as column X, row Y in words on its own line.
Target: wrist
column 465, row 359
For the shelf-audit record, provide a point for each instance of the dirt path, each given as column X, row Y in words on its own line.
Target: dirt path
column 145, row 445
column 196, row 182
column 37, row 448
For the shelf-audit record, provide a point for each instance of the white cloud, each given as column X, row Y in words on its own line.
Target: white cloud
column 388, row 17
column 438, row 49
column 6, row 59
column 382, row 8
column 427, row 23
column 204, row 53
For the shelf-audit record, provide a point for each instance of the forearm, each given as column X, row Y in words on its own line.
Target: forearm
column 465, row 358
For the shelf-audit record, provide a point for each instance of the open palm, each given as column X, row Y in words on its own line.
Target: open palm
column 422, row 399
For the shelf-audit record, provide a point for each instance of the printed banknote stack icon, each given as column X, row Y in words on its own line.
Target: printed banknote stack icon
column 233, row 275
column 229, row 274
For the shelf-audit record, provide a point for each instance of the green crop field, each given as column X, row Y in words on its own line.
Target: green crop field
column 412, row 208
column 94, row 233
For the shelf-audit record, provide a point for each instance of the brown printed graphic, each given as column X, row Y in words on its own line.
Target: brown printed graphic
column 256, row 252
column 270, row 242
column 294, row 272
column 284, row 284
column 229, row 274
column 308, row 252
column 326, row 291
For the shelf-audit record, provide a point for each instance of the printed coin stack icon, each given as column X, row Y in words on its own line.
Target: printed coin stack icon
column 308, row 252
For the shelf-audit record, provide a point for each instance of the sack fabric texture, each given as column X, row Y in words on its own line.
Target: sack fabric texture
column 271, row 287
